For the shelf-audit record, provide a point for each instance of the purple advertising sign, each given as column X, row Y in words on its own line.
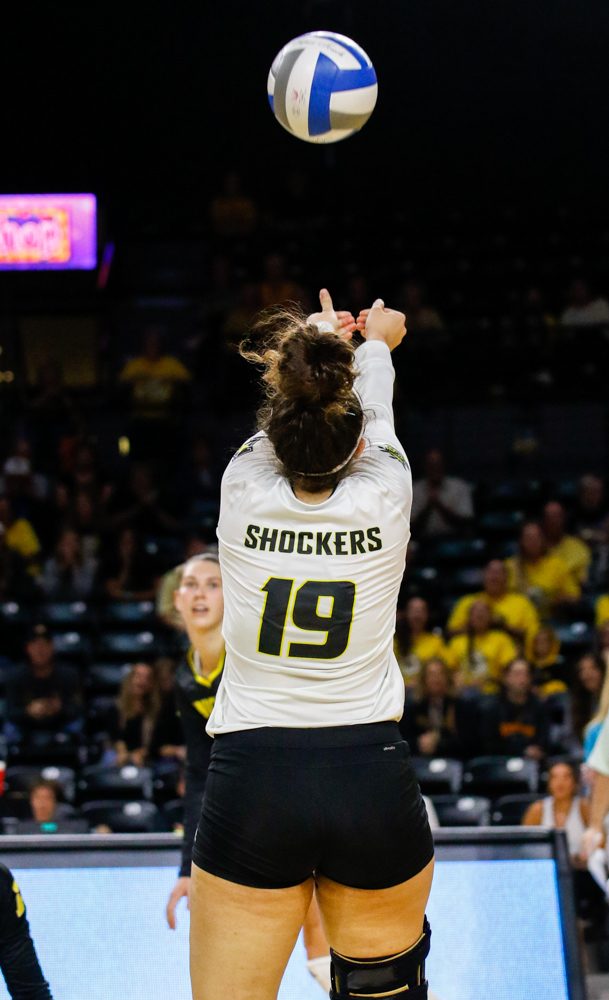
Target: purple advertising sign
column 48, row 232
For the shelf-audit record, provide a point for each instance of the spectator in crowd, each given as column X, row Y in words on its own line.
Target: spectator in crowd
column 16, row 583
column 18, row 481
column 545, row 579
column 431, row 722
column 441, row 504
column 276, row 286
column 155, row 383
column 590, row 672
column 481, row 652
column 514, row 722
column 584, row 309
column 53, row 416
column 142, row 504
column 574, row 553
column 135, row 717
column 414, row 644
column 43, row 799
column 590, row 513
column 513, row 613
column 542, row 650
column 82, row 474
column 43, row 697
column 420, row 315
column 19, row 533
column 128, row 573
column 565, row 809
column 167, row 740
column 601, row 611
column 85, row 517
column 68, row 575
column 233, row 213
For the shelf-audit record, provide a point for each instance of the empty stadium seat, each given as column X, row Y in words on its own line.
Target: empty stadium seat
column 494, row 776
column 77, row 614
column 462, row 810
column 127, row 645
column 438, row 775
column 501, row 524
column 509, row 809
column 457, row 552
column 127, row 782
column 128, row 613
column 575, row 637
column 134, row 816
column 72, row 645
column 106, row 678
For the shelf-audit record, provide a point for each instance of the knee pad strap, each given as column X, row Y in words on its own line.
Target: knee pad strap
column 394, row 975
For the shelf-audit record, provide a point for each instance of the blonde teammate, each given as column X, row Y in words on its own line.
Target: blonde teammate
column 309, row 778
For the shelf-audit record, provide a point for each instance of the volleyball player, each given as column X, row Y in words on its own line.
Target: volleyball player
column 309, row 775
column 18, row 960
column 199, row 602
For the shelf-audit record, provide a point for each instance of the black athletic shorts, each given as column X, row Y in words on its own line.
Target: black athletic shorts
column 283, row 804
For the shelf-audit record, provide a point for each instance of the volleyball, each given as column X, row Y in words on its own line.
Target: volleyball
column 322, row 87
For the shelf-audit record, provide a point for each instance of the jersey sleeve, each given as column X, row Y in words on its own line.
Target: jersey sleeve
column 374, row 386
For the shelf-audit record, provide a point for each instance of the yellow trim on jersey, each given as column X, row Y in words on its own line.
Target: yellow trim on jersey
column 19, row 904
column 205, row 706
column 208, row 680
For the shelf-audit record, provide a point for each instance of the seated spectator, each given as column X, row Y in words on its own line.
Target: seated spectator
column 481, row 652
column 441, row 504
column 601, row 611
column 86, row 518
column 167, row 740
column 128, row 572
column 16, row 584
column 583, row 308
column 543, row 653
column 420, row 315
column 135, row 717
column 233, row 213
column 276, row 286
column 19, row 533
column 19, row 482
column 414, row 645
column 43, row 798
column 514, row 722
column 43, row 697
column 590, row 672
column 564, row 809
column 543, row 578
column 574, row 553
column 590, row 513
column 68, row 575
column 155, row 383
column 510, row 612
column 430, row 722
column 143, row 505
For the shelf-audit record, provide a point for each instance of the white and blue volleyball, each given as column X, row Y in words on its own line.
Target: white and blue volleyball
column 322, row 87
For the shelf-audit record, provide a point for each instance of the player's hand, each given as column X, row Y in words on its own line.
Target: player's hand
column 180, row 891
column 591, row 839
column 380, row 323
column 342, row 322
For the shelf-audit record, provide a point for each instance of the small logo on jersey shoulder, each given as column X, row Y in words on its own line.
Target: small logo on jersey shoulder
column 394, row 453
column 389, row 748
column 247, row 447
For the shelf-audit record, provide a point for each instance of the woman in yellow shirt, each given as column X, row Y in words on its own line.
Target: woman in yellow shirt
column 481, row 653
column 414, row 645
column 545, row 579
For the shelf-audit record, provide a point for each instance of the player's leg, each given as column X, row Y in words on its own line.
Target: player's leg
column 241, row 938
column 384, row 929
column 316, row 946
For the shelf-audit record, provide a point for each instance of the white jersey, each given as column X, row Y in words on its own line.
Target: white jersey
column 310, row 591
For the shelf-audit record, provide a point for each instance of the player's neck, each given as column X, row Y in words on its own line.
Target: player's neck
column 311, row 498
column 209, row 646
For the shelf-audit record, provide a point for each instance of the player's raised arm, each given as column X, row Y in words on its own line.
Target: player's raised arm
column 384, row 329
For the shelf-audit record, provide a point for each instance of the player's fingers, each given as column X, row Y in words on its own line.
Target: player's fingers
column 345, row 317
column 378, row 304
column 170, row 913
column 325, row 300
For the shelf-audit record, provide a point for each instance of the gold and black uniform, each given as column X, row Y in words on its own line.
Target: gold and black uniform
column 18, row 959
column 195, row 697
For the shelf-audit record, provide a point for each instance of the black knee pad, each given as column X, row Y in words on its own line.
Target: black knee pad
column 401, row 975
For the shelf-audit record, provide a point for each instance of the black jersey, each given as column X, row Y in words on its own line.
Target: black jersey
column 18, row 960
column 195, row 697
